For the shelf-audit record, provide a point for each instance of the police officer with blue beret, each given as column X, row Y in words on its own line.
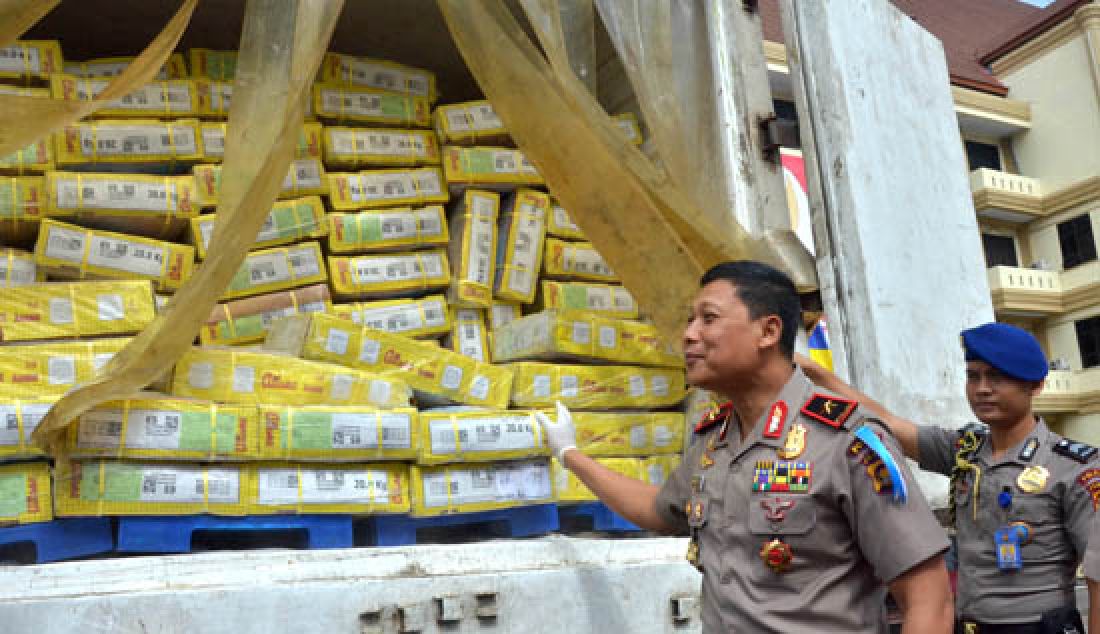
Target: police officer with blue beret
column 1022, row 498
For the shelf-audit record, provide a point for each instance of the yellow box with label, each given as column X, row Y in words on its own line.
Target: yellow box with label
column 71, row 252
column 107, row 487
column 423, row 317
column 30, row 59
column 170, row 99
column 473, row 221
column 253, row 378
column 20, row 417
column 79, row 309
column 339, row 433
column 519, row 252
column 361, row 105
column 36, row 158
column 377, row 73
column 166, row 429
column 479, row 436
column 383, row 276
column 109, row 67
column 581, row 335
column 213, row 141
column 125, row 195
column 595, row 387
column 488, row 167
column 469, row 123
column 29, row 371
column 460, row 488
column 604, row 299
column 278, row 269
column 430, row 370
column 17, row 268
column 305, row 177
column 575, row 261
column 352, row 148
column 210, row 64
column 25, row 493
column 289, row 221
column 387, row 229
column 127, row 141
column 362, row 489
column 245, row 321
column 386, row 188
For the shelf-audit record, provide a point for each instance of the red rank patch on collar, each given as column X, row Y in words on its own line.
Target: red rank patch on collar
column 773, row 427
column 714, row 416
column 831, row 410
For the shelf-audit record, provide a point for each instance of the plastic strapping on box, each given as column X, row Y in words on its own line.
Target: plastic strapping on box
column 123, row 429
column 102, row 488
column 213, row 434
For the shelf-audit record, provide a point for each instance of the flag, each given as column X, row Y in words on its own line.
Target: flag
column 819, row 345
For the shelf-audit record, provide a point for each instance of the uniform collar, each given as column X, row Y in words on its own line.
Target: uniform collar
column 1041, row 434
column 785, row 405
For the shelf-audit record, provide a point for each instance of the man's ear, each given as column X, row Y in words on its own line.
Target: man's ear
column 771, row 331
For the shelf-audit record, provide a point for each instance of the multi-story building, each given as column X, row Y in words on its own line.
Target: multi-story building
column 1026, row 83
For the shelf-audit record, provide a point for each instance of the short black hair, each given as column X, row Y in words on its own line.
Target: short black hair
column 764, row 290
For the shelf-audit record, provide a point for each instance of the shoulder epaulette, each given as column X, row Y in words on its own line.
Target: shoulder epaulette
column 1074, row 450
column 830, row 410
column 976, row 428
column 713, row 417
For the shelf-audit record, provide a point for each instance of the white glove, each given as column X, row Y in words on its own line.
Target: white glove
column 561, row 436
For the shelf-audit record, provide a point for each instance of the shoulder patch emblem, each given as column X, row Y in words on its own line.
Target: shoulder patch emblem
column 1089, row 479
column 716, row 415
column 830, row 410
column 1074, row 450
column 879, row 464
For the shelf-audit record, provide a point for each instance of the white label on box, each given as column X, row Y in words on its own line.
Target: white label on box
column 303, row 174
column 354, row 430
column 454, row 486
column 370, row 270
column 269, row 316
column 458, row 119
column 99, row 429
column 100, row 360
column 498, row 433
column 582, row 333
column 479, row 387
column 368, row 352
column 267, row 268
column 637, row 385
column 382, row 186
column 623, row 300
column 541, row 386
column 397, row 225
column 110, row 307
column 341, row 386
column 213, row 141
column 482, row 229
column 62, row 370
column 656, row 475
column 484, row 117
column 662, row 437
column 396, row 430
column 360, row 104
column 311, row 307
column 430, row 221
column 149, row 429
column 168, row 98
column 504, row 162
column 303, row 262
column 501, row 315
column 659, row 385
column 380, row 392
column 609, row 337
column 21, row 59
column 598, row 298
column 434, row 313
column 638, row 436
column 322, row 486
column 562, row 219
column 110, row 140
column 124, row 255
column 584, row 261
column 181, row 484
column 33, row 413
column 428, row 183
column 206, row 231
column 65, row 244
column 529, row 236
column 452, row 377
column 337, row 341
column 367, row 73
column 201, row 375
column 244, row 379
column 61, row 311
column 116, row 193
column 21, row 272
column 391, row 318
column 570, row 386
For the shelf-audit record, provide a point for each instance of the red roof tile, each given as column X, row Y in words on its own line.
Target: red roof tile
column 965, row 27
column 1030, row 28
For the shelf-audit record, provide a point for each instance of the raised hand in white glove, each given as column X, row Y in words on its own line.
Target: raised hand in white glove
column 561, row 435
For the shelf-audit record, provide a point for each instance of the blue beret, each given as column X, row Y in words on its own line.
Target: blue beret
column 1013, row 351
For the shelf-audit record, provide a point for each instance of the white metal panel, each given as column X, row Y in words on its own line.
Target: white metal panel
column 553, row 584
column 899, row 258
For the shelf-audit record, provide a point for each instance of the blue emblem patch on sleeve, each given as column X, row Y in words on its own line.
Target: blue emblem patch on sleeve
column 871, row 441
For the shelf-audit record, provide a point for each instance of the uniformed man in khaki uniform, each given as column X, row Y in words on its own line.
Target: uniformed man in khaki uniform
column 799, row 509
column 1092, row 575
column 1022, row 497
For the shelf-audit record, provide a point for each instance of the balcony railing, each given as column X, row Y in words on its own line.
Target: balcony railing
column 984, row 178
column 1070, row 391
column 1020, row 279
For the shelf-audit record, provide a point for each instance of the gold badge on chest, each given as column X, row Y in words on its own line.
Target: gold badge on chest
column 795, row 442
column 1033, row 479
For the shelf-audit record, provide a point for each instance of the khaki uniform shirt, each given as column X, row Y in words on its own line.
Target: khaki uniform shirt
column 1058, row 515
column 846, row 539
column 1092, row 553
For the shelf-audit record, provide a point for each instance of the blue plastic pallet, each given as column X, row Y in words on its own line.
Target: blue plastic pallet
column 603, row 518
column 523, row 521
column 62, row 539
column 173, row 533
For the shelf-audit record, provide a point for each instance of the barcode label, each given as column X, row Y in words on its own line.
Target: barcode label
column 304, row 263
column 108, row 140
column 21, row 272
column 637, row 386
column 182, row 484
column 505, row 482
column 268, row 268
column 392, row 318
column 213, row 141
column 33, row 413
column 482, row 230
column 61, row 370
column 563, row 221
column 375, row 75
column 505, row 433
column 356, row 104
column 485, row 118
column 323, row 486
column 65, row 244
column 61, row 311
column 20, row 59
column 570, row 386
column 504, row 162
column 659, row 385
column 609, row 337
column 92, row 194
column 584, row 261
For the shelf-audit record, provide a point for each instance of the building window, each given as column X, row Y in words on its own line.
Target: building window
column 980, row 155
column 1088, row 340
column 785, row 109
column 1075, row 238
column 999, row 250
